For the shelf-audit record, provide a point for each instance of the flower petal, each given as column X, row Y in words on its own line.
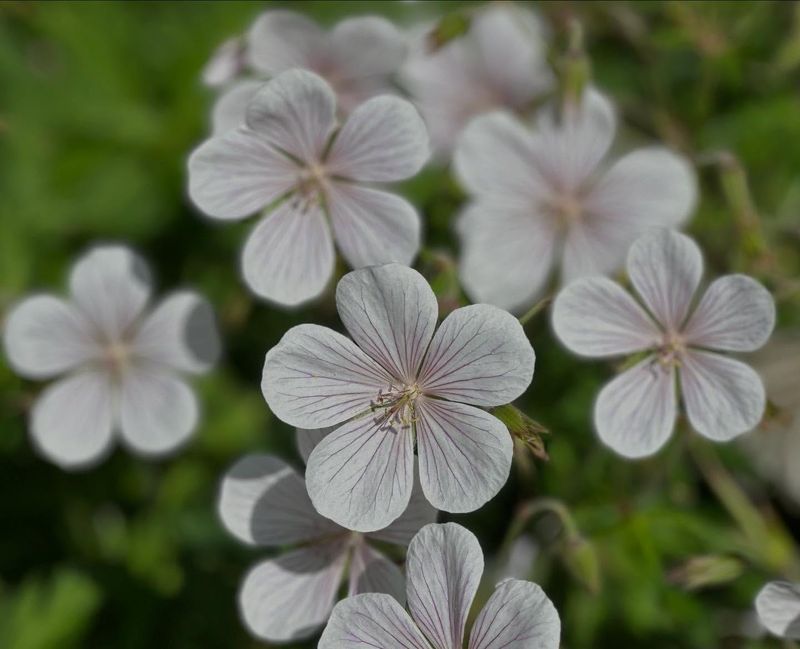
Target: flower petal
column 417, row 515
column 361, row 475
column 237, row 173
column 295, row 112
column 111, row 285
column 597, row 317
column 279, row 40
column 288, row 257
column 479, row 355
column 635, row 413
column 72, row 421
column 308, row 438
column 372, row 572
column 390, row 311
column 369, row 621
column 736, row 314
column 383, row 140
column 45, row 336
column 778, row 607
column 158, row 411
column 263, row 501
column 506, row 252
column 518, row 615
column 290, row 597
column 443, row 568
column 365, row 47
column 724, row 397
column 464, row 454
column 373, row 227
column 315, row 377
column 230, row 107
column 665, row 267
column 225, row 64
column 181, row 332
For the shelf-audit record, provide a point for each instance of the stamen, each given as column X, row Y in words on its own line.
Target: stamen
column 395, row 407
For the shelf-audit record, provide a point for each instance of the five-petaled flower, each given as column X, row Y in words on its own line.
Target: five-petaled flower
column 358, row 57
column 263, row 502
column 636, row 412
column 547, row 198
column 291, row 159
column 400, row 385
column 122, row 362
column 778, row 608
column 443, row 570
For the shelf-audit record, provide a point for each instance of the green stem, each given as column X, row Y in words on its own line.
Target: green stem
column 531, row 313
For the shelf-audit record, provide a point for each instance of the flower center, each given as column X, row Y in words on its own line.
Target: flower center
column 566, row 208
column 670, row 352
column 310, row 185
column 395, row 408
column 116, row 357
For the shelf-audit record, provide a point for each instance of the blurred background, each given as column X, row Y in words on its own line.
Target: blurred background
column 100, row 104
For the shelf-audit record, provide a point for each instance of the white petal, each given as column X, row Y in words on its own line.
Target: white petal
column 443, row 568
column 369, row 621
column 597, row 317
column 308, row 438
column 361, row 475
column 384, row 139
column 635, row 413
column 45, row 336
column 373, row 227
column 665, row 267
column 158, row 411
column 290, row 597
column 479, row 355
column 237, row 173
column 230, row 108
column 295, row 112
column 372, row 572
column 778, row 607
column 263, row 501
column 366, row 46
column 225, row 64
column 390, row 311
column 464, row 454
column 496, row 155
column 417, row 515
column 594, row 247
column 279, row 40
column 288, row 257
column 723, row 397
column 518, row 615
column 736, row 314
column 72, row 421
column 111, row 285
column 181, row 332
column 315, row 377
column 506, row 252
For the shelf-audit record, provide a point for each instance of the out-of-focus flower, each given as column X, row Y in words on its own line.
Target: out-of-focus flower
column 443, row 570
column 122, row 360
column 636, row 412
column 358, row 57
column 499, row 63
column 311, row 177
column 548, row 198
column 778, row 608
column 396, row 385
column 263, row 502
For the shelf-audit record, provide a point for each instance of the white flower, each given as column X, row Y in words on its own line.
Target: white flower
column 443, row 570
column 284, row 160
column 263, row 502
column 547, row 198
column 226, row 63
column 358, row 57
column 635, row 413
column 778, row 608
column 499, row 63
column 398, row 386
column 122, row 362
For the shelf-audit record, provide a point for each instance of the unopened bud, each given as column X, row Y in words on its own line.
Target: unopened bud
column 580, row 558
column 707, row 570
column 528, row 432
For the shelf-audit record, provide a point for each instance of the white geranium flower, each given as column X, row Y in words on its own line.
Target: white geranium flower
column 636, row 412
column 443, row 569
column 226, row 64
column 122, row 360
column 358, row 57
column 548, row 198
column 398, row 386
column 311, row 177
column 263, row 502
column 778, row 608
column 500, row 63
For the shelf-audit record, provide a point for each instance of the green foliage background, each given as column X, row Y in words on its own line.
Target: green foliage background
column 100, row 104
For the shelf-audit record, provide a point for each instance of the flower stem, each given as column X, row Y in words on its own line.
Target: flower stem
column 531, row 313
